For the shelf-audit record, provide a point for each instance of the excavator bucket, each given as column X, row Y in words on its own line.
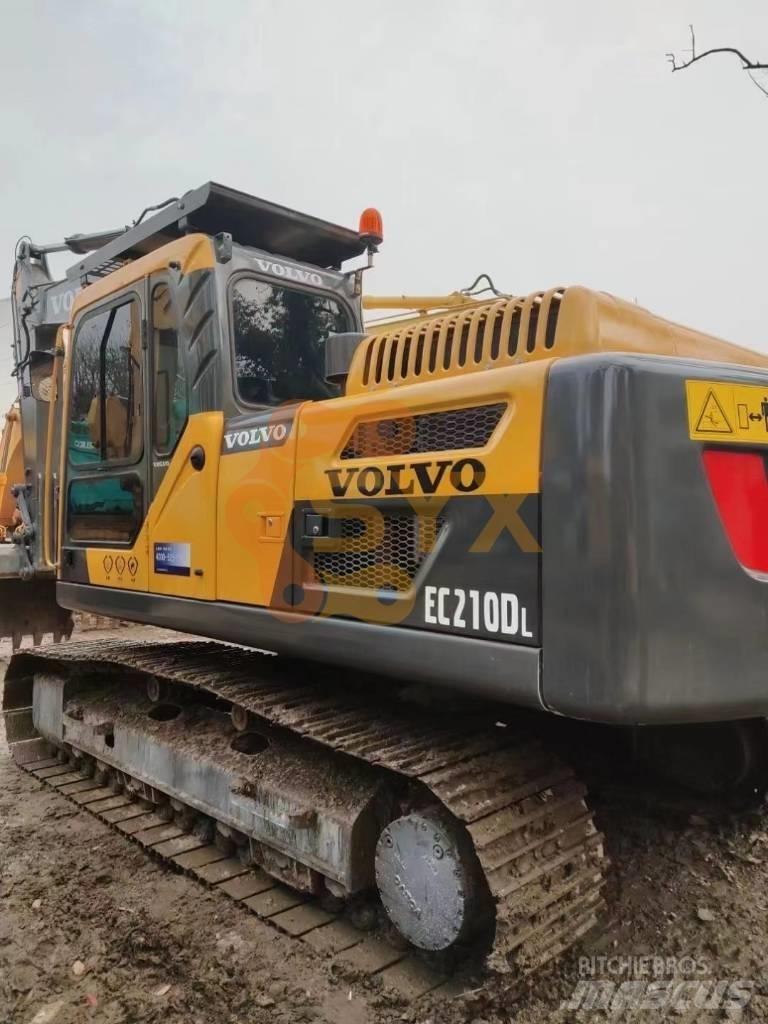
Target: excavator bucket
column 28, row 609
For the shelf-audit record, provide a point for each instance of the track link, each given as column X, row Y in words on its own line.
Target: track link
column 526, row 814
column 324, row 933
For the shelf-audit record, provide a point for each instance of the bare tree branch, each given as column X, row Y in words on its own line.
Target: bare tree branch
column 747, row 65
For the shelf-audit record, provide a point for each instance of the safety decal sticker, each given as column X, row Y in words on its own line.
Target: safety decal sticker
column 119, row 565
column 727, row 413
column 173, row 559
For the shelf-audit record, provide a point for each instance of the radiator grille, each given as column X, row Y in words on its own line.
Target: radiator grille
column 458, row 341
column 379, row 551
column 425, row 432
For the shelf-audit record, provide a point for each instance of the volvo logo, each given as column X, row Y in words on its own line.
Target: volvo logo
column 290, row 273
column 463, row 475
column 265, row 435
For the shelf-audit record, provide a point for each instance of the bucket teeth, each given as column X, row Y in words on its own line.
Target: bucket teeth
column 28, row 609
column 58, row 635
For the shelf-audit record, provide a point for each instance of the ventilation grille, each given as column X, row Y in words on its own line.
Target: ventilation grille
column 425, row 432
column 383, row 551
column 474, row 338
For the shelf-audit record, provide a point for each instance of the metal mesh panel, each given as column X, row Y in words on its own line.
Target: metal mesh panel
column 425, row 432
column 379, row 551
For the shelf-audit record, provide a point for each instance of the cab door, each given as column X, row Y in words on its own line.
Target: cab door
column 104, row 493
column 184, row 457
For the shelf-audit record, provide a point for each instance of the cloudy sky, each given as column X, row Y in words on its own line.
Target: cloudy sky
column 545, row 143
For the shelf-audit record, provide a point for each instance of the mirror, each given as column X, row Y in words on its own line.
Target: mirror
column 41, row 375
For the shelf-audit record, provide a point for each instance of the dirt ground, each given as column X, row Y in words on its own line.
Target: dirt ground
column 91, row 929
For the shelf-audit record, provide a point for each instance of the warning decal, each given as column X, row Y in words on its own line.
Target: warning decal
column 727, row 413
column 713, row 420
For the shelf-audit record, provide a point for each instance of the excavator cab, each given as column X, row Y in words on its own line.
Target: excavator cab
column 214, row 310
column 202, row 350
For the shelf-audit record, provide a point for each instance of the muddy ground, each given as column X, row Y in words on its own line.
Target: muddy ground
column 92, row 930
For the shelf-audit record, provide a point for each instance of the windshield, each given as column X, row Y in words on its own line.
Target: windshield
column 279, row 336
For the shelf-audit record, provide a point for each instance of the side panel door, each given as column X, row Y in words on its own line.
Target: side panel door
column 255, row 559
column 182, row 517
column 184, row 464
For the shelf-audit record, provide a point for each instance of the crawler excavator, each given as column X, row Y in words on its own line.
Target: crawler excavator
column 34, row 609
column 549, row 505
column 11, row 468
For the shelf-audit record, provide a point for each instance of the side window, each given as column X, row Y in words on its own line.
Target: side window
column 106, row 510
column 170, row 407
column 279, row 342
column 106, row 400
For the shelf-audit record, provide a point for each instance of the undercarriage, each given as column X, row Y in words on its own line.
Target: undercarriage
column 456, row 838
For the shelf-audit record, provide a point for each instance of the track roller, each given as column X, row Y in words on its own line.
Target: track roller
column 157, row 689
column 241, row 719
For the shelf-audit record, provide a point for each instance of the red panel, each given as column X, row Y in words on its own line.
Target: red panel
column 740, row 486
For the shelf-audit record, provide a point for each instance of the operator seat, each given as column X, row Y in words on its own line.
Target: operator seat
column 118, row 435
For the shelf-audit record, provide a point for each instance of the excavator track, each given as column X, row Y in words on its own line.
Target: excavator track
column 304, row 919
column 531, row 831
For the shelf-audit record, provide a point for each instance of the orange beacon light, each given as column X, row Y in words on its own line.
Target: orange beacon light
column 371, row 228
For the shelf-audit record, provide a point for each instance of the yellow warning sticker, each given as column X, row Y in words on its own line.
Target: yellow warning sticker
column 727, row 413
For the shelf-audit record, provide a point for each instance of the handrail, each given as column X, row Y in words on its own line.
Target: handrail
column 418, row 302
column 48, row 512
column 66, row 373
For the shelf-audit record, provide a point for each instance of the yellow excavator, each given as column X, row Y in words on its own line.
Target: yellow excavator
column 33, row 609
column 408, row 547
column 11, row 468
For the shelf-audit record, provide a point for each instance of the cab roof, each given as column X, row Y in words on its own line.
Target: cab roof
column 213, row 208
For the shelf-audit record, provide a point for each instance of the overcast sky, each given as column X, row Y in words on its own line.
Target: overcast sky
column 545, row 143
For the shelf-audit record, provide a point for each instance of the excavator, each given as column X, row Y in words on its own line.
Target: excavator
column 34, row 608
column 403, row 546
column 11, row 468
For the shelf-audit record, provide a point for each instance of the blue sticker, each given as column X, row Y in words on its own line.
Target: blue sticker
column 173, row 559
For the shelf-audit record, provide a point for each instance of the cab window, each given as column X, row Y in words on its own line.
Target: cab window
column 279, row 342
column 171, row 405
column 105, row 509
column 106, row 400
